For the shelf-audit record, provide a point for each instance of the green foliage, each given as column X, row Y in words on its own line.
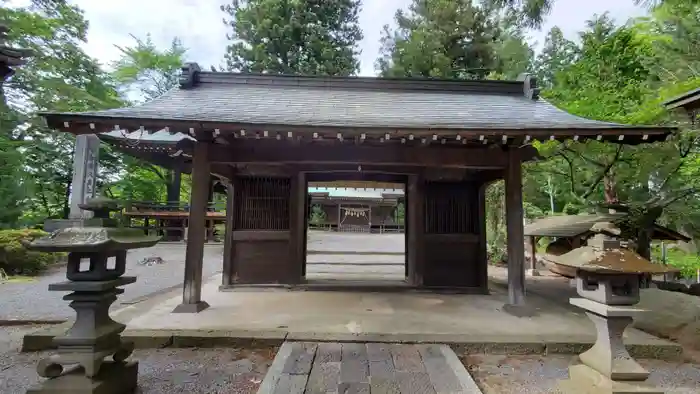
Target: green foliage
column 293, row 36
column 440, row 38
column 147, row 71
column 317, row 215
column 15, row 259
column 688, row 263
column 11, row 183
column 58, row 77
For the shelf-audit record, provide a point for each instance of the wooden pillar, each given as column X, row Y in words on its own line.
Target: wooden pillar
column 297, row 226
column 532, row 251
column 173, row 192
column 227, row 275
column 415, row 229
column 515, row 229
column 194, row 255
column 483, row 242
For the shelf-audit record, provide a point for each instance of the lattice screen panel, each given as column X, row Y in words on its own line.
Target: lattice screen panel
column 262, row 203
column 450, row 208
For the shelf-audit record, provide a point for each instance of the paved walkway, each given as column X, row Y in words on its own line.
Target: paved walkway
column 319, row 368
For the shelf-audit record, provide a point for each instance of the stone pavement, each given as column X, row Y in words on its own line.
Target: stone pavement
column 332, row 367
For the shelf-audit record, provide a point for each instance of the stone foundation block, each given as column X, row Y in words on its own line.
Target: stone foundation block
column 113, row 378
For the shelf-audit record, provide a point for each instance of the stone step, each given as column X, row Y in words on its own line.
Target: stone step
column 334, row 367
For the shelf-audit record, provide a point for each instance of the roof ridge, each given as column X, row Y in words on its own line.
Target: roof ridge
column 526, row 85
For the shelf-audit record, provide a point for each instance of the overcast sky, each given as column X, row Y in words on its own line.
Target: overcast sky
column 198, row 23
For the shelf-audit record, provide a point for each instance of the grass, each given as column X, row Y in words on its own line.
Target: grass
column 688, row 263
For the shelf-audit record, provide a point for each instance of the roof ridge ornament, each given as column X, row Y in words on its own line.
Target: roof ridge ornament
column 190, row 75
column 529, row 86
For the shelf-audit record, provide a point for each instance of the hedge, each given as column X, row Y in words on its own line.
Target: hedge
column 15, row 259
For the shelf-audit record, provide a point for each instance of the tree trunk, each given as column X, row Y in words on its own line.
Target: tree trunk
column 610, row 189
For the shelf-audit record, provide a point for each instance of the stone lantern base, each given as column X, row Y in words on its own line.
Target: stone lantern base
column 91, row 357
column 607, row 367
column 113, row 378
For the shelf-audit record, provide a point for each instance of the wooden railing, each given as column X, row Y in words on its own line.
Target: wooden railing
column 170, row 219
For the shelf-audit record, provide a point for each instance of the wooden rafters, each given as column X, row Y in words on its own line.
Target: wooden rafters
column 356, row 135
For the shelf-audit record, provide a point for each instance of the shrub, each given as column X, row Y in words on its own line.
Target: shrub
column 15, row 259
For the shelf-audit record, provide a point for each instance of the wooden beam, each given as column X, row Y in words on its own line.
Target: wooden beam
column 515, row 230
column 194, row 255
column 229, row 253
column 284, row 153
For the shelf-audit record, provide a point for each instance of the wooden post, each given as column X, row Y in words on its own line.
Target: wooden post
column 339, row 212
column 227, row 274
column 415, row 230
column 532, row 251
column 483, row 242
column 515, row 229
column 194, row 255
column 297, row 224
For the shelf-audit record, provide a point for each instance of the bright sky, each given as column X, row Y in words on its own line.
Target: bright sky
column 202, row 31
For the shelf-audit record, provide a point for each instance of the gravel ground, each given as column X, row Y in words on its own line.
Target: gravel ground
column 33, row 300
column 161, row 371
column 328, row 241
column 499, row 374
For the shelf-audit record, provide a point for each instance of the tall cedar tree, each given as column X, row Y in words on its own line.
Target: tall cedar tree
column 307, row 37
column 440, row 38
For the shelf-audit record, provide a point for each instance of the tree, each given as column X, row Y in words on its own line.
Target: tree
column 144, row 72
column 533, row 12
column 557, row 53
column 59, row 77
column 11, row 184
column 309, row 37
column 441, row 38
column 612, row 79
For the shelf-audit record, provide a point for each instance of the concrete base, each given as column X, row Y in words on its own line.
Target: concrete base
column 114, row 378
column 191, row 308
column 585, row 380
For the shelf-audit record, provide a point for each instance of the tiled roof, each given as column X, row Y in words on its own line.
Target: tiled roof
column 356, row 102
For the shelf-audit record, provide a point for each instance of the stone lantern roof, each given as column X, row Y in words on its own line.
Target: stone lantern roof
column 606, row 254
column 99, row 234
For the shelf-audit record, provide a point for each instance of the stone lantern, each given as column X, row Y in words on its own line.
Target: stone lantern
column 607, row 279
column 94, row 336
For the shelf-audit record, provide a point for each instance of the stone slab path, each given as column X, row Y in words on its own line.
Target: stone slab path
column 366, row 368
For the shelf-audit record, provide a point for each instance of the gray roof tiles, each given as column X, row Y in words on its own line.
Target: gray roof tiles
column 356, row 102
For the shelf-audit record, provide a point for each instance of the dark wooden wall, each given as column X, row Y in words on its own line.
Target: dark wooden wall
column 261, row 237
column 446, row 226
column 445, row 241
